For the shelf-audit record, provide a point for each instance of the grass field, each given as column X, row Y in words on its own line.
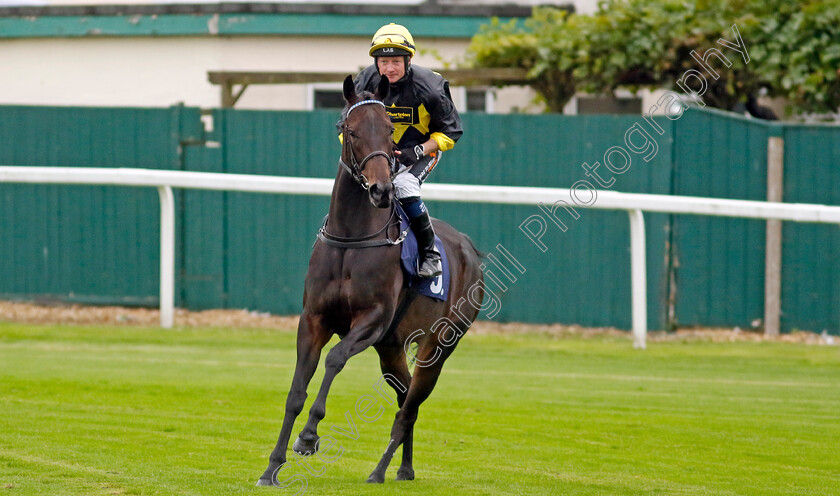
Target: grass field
column 117, row 410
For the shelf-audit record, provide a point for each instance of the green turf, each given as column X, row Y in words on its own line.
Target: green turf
column 102, row 410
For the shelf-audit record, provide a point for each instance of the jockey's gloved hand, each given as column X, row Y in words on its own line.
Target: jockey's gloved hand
column 410, row 156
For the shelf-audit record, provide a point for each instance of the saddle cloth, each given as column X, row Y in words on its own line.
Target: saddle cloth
column 437, row 287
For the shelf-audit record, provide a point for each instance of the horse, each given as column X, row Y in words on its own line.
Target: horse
column 355, row 288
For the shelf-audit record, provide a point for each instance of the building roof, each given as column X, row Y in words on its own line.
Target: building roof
column 428, row 19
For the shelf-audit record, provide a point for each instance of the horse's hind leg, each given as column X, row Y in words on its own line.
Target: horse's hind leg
column 422, row 384
column 392, row 361
column 311, row 338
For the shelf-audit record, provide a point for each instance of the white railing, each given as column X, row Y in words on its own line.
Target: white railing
column 633, row 203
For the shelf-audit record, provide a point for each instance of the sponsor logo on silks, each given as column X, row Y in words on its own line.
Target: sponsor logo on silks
column 388, row 50
column 401, row 115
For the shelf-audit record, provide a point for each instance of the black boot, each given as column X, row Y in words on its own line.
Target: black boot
column 430, row 265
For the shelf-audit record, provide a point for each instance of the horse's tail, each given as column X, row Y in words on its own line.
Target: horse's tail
column 478, row 252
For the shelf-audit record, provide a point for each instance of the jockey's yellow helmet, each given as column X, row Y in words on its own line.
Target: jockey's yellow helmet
column 392, row 40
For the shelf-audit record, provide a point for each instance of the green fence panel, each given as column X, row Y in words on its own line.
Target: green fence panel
column 201, row 225
column 584, row 276
column 86, row 243
column 244, row 250
column 719, row 262
column 811, row 252
column 269, row 238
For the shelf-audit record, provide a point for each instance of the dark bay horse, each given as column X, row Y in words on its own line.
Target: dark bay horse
column 355, row 286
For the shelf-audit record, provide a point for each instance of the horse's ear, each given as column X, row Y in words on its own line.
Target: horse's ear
column 349, row 90
column 383, row 89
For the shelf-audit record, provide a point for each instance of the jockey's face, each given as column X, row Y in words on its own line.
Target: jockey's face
column 391, row 67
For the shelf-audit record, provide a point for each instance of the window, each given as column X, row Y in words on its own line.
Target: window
column 328, row 99
column 608, row 105
column 329, row 96
column 473, row 99
column 477, row 100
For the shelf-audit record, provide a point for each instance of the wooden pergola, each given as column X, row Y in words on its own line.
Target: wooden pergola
column 234, row 84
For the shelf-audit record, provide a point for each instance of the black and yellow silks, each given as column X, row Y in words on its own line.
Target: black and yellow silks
column 420, row 107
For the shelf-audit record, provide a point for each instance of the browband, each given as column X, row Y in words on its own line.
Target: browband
column 359, row 104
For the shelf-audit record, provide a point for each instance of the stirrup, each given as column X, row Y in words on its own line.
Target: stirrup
column 430, row 267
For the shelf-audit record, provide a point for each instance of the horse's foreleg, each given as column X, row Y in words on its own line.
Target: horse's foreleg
column 422, row 384
column 365, row 331
column 392, row 361
column 406, row 471
column 312, row 336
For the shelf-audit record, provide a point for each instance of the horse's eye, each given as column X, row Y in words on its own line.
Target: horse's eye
column 351, row 133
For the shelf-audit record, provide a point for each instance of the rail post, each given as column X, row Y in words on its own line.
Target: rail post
column 638, row 277
column 167, row 256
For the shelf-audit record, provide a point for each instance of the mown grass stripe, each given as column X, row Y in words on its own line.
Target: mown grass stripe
column 196, row 411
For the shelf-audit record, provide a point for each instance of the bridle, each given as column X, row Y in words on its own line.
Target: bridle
column 355, row 168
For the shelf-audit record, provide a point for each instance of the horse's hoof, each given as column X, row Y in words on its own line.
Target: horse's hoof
column 375, row 479
column 306, row 447
column 269, row 476
column 405, row 475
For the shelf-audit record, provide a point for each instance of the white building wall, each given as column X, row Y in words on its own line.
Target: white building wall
column 158, row 72
column 585, row 6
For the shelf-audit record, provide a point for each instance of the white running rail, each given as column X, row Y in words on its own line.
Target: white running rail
column 633, row 203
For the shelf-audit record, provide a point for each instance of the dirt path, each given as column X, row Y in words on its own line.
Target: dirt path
column 87, row 315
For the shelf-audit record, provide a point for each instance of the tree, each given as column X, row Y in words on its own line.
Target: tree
column 547, row 46
column 802, row 57
column 793, row 47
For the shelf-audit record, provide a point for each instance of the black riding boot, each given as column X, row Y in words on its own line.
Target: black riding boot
column 430, row 265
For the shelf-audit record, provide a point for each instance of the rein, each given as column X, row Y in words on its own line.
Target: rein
column 356, row 173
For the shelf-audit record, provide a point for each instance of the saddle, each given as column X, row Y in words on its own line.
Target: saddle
column 436, row 287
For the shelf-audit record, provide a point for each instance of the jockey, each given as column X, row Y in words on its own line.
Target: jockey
column 426, row 124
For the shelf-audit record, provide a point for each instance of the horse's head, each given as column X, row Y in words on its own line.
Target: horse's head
column 368, row 133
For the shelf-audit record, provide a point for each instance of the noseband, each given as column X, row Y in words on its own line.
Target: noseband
column 355, row 168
